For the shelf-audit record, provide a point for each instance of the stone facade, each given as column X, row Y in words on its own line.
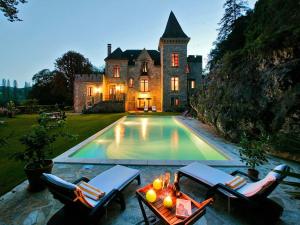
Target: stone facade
column 144, row 78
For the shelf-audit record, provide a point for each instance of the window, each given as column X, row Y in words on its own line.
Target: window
column 90, row 91
column 144, row 85
column 174, row 101
column 131, row 82
column 174, row 83
column 175, row 59
column 145, row 68
column 116, row 72
column 193, row 83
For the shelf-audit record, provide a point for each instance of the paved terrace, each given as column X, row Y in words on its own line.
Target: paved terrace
column 19, row 207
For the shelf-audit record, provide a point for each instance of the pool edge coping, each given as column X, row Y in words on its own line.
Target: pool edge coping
column 65, row 157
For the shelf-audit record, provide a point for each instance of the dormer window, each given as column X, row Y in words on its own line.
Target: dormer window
column 175, row 60
column 145, row 68
column 116, row 71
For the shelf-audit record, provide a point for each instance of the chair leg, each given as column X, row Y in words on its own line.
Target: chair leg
column 138, row 178
column 121, row 201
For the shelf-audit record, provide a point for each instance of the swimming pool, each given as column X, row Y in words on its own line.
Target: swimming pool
column 148, row 138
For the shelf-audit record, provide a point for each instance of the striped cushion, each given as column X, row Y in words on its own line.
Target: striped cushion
column 236, row 183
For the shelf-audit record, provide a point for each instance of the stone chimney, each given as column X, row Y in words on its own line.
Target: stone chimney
column 108, row 49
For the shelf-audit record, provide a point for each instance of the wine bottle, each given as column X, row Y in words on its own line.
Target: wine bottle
column 176, row 186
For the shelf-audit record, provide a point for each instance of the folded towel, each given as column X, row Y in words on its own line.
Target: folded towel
column 236, row 183
column 90, row 191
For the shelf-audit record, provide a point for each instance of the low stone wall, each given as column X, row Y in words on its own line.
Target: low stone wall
column 107, row 107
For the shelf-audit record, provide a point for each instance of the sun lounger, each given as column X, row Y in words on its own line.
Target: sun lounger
column 111, row 182
column 153, row 108
column 146, row 109
column 216, row 180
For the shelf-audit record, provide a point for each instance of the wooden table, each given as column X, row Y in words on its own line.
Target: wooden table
column 166, row 215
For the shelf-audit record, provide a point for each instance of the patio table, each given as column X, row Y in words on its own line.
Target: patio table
column 168, row 215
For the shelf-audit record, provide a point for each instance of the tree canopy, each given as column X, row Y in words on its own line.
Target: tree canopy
column 9, row 9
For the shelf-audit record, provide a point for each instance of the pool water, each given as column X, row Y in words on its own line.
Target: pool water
column 149, row 138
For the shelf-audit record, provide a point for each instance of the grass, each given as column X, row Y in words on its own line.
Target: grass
column 11, row 171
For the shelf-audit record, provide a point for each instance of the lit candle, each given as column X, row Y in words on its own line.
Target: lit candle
column 168, row 203
column 151, row 195
column 157, row 183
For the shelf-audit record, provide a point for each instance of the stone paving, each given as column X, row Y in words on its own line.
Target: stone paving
column 20, row 207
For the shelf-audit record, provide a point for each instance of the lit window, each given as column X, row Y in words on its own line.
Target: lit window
column 175, row 83
column 174, row 101
column 175, row 59
column 116, row 71
column 145, row 68
column 90, row 91
column 131, row 82
column 144, row 85
column 193, row 83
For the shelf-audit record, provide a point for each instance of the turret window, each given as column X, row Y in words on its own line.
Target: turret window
column 193, row 84
column 175, row 60
column 131, row 82
column 174, row 83
column 116, row 71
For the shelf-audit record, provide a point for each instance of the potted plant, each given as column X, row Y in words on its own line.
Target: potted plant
column 253, row 153
column 11, row 109
column 38, row 148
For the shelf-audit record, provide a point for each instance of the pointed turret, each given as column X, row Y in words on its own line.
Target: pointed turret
column 173, row 28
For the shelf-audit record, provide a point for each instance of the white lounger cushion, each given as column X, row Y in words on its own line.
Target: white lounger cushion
column 206, row 174
column 211, row 176
column 116, row 177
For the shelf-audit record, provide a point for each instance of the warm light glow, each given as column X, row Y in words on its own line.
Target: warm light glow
column 144, row 95
column 175, row 139
column 144, row 127
column 99, row 90
column 157, row 184
column 168, row 203
column 151, row 195
column 119, row 133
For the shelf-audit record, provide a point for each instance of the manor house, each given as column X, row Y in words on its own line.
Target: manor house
column 163, row 78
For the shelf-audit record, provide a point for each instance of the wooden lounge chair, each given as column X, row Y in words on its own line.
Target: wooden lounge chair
column 253, row 193
column 85, row 210
column 146, row 109
column 153, row 108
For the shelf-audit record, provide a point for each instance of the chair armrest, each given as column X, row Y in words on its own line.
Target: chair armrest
column 85, row 179
column 103, row 202
column 244, row 174
column 229, row 190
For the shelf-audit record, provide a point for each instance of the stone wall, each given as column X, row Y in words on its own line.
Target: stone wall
column 81, row 84
column 154, row 78
column 195, row 70
column 167, row 48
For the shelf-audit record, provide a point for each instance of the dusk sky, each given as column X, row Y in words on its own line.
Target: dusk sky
column 53, row 27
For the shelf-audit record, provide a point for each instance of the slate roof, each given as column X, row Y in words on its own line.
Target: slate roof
column 173, row 28
column 132, row 55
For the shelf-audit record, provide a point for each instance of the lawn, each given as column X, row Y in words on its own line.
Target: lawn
column 11, row 171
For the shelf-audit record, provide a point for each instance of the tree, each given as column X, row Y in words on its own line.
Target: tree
column 4, row 95
column 72, row 63
column 233, row 10
column 26, row 89
column 15, row 91
column 9, row 9
column 8, row 89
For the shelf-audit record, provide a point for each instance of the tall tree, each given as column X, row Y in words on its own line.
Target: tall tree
column 15, row 91
column 233, row 10
column 8, row 89
column 4, row 92
column 9, row 9
column 72, row 63
column 26, row 89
